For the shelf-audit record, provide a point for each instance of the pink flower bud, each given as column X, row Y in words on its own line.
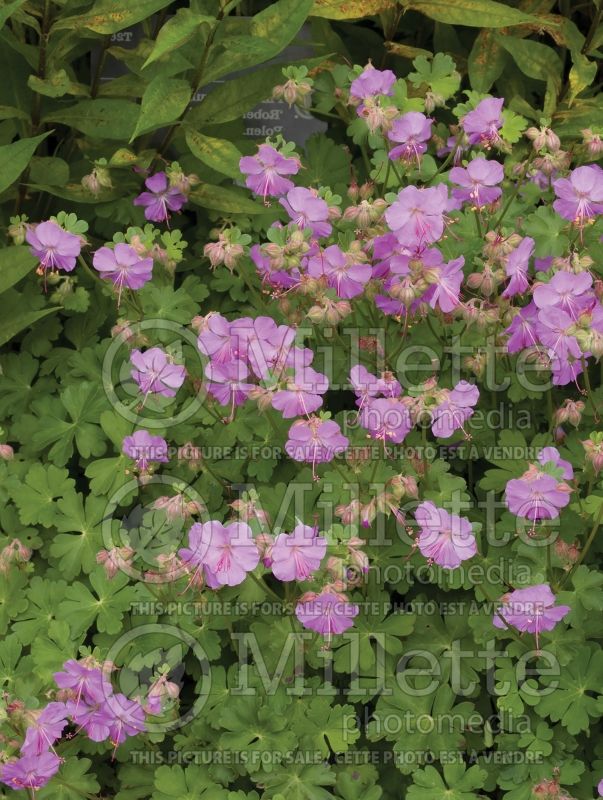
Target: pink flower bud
column 6, row 452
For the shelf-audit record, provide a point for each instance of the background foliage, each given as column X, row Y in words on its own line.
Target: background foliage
column 80, row 96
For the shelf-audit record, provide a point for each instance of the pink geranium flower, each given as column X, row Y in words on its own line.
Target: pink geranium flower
column 348, row 279
column 451, row 415
column 46, row 727
column 307, row 210
column 155, row 373
column 478, row 181
column 264, row 172
column 445, row 538
column 516, row 267
column 483, row 123
column 225, row 552
column 580, row 196
column 412, row 130
column 53, row 246
column 30, row 772
column 532, row 610
column 123, row 266
column 302, row 394
column 417, row 216
column 372, row 82
column 295, row 556
column 315, row 440
column 327, row 613
column 536, row 497
column 160, row 199
column 387, row 419
column 145, row 449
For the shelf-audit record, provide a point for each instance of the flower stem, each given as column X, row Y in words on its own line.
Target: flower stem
column 587, row 546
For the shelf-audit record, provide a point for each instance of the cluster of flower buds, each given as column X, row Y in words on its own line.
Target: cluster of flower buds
column 593, row 448
column 14, row 553
column 543, row 138
column 116, row 559
column 297, row 89
column 98, row 179
column 228, row 249
column 592, row 142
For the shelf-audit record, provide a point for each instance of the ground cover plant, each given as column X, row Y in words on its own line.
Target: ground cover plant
column 301, row 391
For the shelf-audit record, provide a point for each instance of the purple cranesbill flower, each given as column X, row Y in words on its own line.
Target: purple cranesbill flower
column 516, row 267
column 565, row 291
column 44, row 729
column 538, row 496
column 550, row 455
column 556, row 331
column 280, row 278
column 160, row 199
column 95, row 719
column 53, row 246
column 446, row 539
column 580, row 196
column 145, row 449
column 307, row 210
column 451, row 415
column 227, row 382
column 532, row 609
column 302, row 393
column 123, row 266
column 89, row 685
column 216, row 340
column 364, row 383
column 261, row 342
column 127, row 718
column 565, row 369
column 478, row 181
column 327, row 613
column 386, row 418
column 483, row 123
column 372, row 82
column 295, row 556
column 264, row 171
column 412, row 130
column 315, row 441
column 155, row 373
column 600, row 788
column 30, row 772
column 367, row 385
column 226, row 552
column 523, row 330
column 445, row 294
column 417, row 215
column 390, row 306
column 348, row 279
